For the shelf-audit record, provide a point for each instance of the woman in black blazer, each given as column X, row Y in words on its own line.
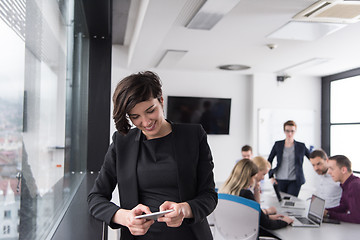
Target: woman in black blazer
column 158, row 165
column 290, row 157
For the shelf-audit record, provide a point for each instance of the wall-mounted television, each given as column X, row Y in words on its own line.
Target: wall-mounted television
column 212, row 113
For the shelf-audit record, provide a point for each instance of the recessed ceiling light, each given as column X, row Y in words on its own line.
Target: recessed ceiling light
column 233, row 67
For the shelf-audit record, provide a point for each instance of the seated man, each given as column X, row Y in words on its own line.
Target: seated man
column 340, row 171
column 326, row 188
column 246, row 152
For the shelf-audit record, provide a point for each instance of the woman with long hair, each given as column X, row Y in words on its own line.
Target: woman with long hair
column 241, row 183
column 263, row 167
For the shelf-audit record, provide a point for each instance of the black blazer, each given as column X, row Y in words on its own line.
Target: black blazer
column 195, row 177
column 300, row 152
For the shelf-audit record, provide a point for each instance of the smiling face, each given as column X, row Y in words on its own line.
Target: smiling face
column 319, row 165
column 148, row 116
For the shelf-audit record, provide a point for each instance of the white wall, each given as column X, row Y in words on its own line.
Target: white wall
column 226, row 149
column 248, row 94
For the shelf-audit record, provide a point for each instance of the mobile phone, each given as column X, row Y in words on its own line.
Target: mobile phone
column 155, row 215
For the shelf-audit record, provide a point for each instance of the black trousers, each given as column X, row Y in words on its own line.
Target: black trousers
column 289, row 186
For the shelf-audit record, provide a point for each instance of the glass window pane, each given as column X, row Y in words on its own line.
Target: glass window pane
column 345, row 141
column 345, row 100
column 37, row 181
column 12, row 59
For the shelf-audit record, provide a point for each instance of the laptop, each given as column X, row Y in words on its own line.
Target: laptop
column 315, row 214
column 286, row 202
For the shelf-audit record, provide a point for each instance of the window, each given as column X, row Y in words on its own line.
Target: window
column 7, row 214
column 6, row 230
column 340, row 115
column 345, row 119
column 43, row 80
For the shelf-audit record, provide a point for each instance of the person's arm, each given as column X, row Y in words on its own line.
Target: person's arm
column 349, row 212
column 268, row 223
column 205, row 200
column 265, row 221
column 272, row 154
column 127, row 218
column 270, row 210
column 175, row 218
column 342, row 207
column 307, row 152
column 257, row 192
column 281, row 217
column 100, row 195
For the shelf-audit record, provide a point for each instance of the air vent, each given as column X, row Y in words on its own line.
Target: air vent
column 336, row 11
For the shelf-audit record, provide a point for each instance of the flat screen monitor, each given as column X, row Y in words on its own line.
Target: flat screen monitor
column 212, row 113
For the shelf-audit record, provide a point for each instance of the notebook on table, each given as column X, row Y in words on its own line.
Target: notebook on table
column 287, row 203
column 314, row 216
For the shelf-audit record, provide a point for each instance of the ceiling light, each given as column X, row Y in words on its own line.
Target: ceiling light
column 306, row 31
column 210, row 13
column 233, row 67
column 171, row 58
column 303, row 65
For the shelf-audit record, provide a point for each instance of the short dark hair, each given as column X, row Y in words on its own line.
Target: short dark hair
column 131, row 90
column 246, row 148
column 342, row 161
column 290, row 123
column 318, row 153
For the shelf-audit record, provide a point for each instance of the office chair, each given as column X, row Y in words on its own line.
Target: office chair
column 236, row 218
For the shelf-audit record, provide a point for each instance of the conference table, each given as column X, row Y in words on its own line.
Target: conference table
column 342, row 231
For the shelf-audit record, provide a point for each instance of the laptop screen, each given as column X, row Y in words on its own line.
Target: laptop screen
column 316, row 209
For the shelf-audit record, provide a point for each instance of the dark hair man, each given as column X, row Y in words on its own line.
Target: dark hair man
column 340, row 171
column 326, row 188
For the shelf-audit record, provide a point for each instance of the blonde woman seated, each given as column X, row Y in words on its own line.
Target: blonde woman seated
column 240, row 183
column 263, row 168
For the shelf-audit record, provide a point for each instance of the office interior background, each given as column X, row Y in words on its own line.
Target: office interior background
column 60, row 61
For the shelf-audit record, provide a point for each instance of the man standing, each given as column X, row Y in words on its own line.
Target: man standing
column 340, row 171
column 326, row 188
column 246, row 152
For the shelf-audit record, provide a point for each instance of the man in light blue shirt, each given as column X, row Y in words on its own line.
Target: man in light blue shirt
column 326, row 188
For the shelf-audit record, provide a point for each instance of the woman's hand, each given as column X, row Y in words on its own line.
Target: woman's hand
column 276, row 217
column 273, row 180
column 282, row 217
column 127, row 218
column 271, row 210
column 175, row 218
column 257, row 191
column 287, row 219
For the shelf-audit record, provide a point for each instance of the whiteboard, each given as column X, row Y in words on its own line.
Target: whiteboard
column 270, row 127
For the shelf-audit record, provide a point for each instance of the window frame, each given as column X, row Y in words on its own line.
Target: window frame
column 325, row 107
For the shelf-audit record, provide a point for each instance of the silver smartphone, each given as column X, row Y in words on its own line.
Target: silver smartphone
column 155, row 215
